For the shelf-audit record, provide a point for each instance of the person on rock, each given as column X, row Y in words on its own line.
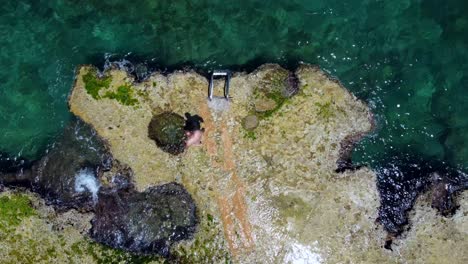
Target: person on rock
column 193, row 130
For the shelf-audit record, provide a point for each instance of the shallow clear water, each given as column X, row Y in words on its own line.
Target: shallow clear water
column 406, row 58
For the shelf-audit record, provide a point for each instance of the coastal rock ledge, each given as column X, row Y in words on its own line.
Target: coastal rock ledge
column 266, row 191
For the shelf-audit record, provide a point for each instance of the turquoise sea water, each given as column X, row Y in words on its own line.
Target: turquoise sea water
column 406, row 58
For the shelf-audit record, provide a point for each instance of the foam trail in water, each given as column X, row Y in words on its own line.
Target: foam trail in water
column 85, row 180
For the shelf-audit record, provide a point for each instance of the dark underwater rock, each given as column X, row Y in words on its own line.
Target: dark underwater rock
column 167, row 130
column 141, row 71
column 399, row 183
column 442, row 199
column 344, row 162
column 15, row 171
column 404, row 178
column 144, row 222
column 68, row 174
column 445, row 187
column 10, row 164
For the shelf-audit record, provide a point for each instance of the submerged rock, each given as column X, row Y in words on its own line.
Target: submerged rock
column 445, row 187
column 405, row 178
column 399, row 184
column 10, row 164
column 144, row 222
column 167, row 130
column 141, row 71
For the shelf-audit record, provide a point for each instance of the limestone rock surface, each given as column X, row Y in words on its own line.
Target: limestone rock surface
column 270, row 195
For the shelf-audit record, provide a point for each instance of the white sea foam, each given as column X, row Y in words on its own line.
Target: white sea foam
column 85, row 180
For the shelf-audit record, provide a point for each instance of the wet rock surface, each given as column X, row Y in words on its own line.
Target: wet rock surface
column 78, row 150
column 144, row 222
column 399, row 185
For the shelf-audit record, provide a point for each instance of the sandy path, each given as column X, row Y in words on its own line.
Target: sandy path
column 231, row 198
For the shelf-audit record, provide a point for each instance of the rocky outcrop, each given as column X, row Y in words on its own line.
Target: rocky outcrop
column 268, row 190
column 273, row 180
column 144, row 222
column 79, row 172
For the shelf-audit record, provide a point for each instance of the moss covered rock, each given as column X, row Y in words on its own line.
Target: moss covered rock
column 167, row 130
column 275, row 86
column 13, row 209
column 94, row 83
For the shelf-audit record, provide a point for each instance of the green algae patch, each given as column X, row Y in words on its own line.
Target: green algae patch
column 93, row 83
column 325, row 110
column 103, row 254
column 273, row 91
column 279, row 99
column 124, row 95
column 268, row 103
column 13, row 209
column 250, row 134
